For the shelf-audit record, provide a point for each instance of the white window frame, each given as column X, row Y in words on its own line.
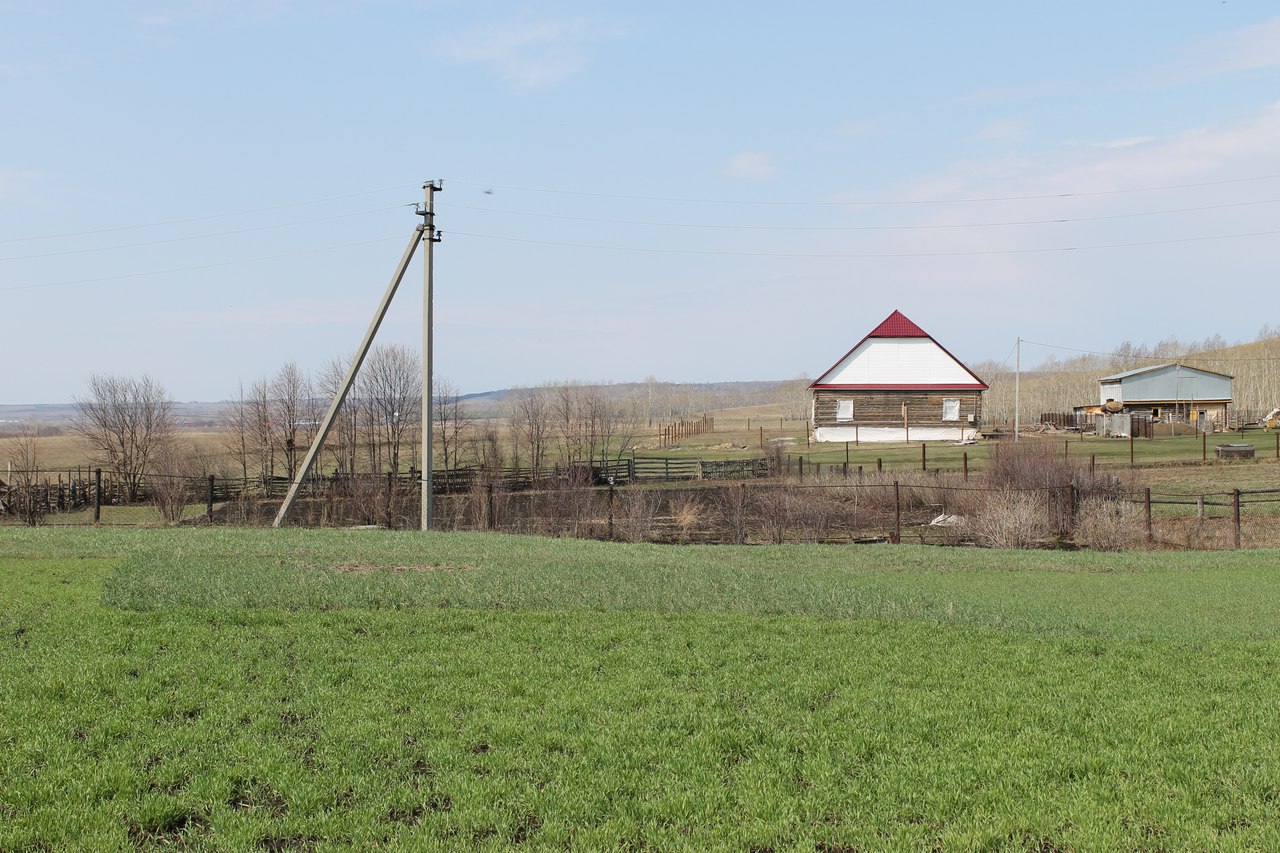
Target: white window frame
column 951, row 408
column 844, row 410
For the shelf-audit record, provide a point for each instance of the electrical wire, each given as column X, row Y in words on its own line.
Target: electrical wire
column 871, row 203
column 201, row 218
column 1184, row 355
column 200, row 236
column 868, row 255
column 772, row 227
column 123, row 276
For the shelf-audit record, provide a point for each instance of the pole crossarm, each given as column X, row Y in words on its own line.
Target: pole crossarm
column 338, row 398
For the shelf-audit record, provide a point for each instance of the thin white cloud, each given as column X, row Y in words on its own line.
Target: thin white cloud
column 1005, row 130
column 752, row 166
column 533, row 55
column 12, row 182
column 1246, row 49
column 1128, row 142
column 312, row 312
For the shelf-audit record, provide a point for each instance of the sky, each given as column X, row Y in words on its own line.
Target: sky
column 203, row 190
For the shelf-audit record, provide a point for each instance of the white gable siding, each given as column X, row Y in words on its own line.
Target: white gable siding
column 898, row 361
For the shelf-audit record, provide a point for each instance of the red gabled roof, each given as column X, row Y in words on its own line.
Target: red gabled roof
column 896, row 325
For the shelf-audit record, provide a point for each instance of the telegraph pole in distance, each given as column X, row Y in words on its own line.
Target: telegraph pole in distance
column 1017, row 388
column 429, row 238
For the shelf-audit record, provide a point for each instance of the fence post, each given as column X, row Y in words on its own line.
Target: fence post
column 1235, row 500
column 1131, row 445
column 897, row 514
column 1066, row 448
column 761, row 438
column 1204, row 446
column 1093, row 464
column 800, row 465
column 879, row 464
column 97, row 495
column 492, row 522
column 964, row 462
column 208, row 503
column 1150, row 530
column 924, row 464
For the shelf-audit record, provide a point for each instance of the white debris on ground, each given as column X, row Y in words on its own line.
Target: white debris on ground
column 946, row 520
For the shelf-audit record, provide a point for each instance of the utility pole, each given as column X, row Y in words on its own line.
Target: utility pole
column 347, row 381
column 429, row 238
column 1017, row 387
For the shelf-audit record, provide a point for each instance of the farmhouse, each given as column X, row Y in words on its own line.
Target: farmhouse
column 1169, row 392
column 897, row 384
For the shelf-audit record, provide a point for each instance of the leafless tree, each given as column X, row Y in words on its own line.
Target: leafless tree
column 21, row 450
column 452, row 421
column 292, row 414
column 529, row 419
column 262, row 432
column 391, row 389
column 797, row 397
column 126, row 421
column 344, row 437
column 238, row 432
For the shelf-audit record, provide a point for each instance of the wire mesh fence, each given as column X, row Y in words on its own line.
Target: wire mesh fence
column 1078, row 510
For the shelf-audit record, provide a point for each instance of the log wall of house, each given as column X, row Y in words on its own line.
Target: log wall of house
column 884, row 408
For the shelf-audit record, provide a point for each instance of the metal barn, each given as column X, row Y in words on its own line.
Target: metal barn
column 1171, row 393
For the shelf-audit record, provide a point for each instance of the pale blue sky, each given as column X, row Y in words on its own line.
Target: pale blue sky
column 203, row 190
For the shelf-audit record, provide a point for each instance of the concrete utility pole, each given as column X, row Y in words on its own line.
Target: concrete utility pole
column 1017, row 387
column 427, row 234
column 429, row 238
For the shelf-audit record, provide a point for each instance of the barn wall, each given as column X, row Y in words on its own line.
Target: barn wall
column 1171, row 383
column 884, row 408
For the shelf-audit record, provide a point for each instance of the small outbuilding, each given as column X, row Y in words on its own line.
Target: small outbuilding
column 897, row 384
column 1169, row 392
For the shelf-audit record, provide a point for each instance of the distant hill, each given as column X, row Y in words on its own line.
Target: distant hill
column 684, row 399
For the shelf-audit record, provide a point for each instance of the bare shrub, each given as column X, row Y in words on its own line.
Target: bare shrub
column 734, row 507
column 686, row 515
column 172, row 482
column 568, row 506
column 21, row 450
column 777, row 508
column 489, row 502
column 635, row 513
column 1107, row 524
column 1010, row 519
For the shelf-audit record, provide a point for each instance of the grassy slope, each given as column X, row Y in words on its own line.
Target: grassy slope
column 231, row 690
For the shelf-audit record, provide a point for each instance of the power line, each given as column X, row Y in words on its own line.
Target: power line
column 1205, row 356
column 201, row 266
column 199, row 236
column 868, row 255
column 1056, row 221
column 205, row 217
column 869, row 203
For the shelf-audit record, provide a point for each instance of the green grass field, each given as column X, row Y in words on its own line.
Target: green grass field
column 328, row 689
